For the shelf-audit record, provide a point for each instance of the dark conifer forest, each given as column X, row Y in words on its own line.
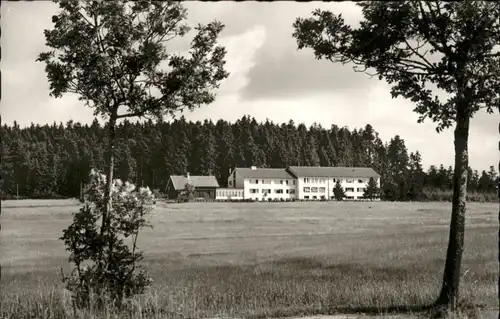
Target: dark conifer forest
column 54, row 161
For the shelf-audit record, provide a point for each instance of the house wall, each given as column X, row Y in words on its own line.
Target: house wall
column 204, row 192
column 323, row 187
column 265, row 189
column 235, row 180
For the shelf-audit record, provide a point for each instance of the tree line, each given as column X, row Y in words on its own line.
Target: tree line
column 54, row 161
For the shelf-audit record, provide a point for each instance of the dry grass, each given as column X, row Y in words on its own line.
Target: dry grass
column 260, row 259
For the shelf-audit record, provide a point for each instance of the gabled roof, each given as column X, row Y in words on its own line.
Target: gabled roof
column 319, row 171
column 276, row 173
column 179, row 181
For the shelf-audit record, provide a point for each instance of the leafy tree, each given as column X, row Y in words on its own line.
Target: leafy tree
column 417, row 46
column 371, row 191
column 110, row 54
column 187, row 193
column 338, row 191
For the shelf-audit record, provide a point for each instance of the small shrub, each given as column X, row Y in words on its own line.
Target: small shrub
column 105, row 267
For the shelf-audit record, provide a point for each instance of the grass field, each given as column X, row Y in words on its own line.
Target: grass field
column 262, row 259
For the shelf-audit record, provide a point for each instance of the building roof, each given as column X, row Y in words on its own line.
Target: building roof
column 319, row 171
column 179, row 181
column 277, row 173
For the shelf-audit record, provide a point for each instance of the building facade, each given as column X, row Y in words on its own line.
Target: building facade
column 317, row 183
column 301, row 182
column 263, row 184
column 229, row 194
column 204, row 186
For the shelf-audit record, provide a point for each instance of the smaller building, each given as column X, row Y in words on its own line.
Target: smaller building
column 204, row 186
column 229, row 194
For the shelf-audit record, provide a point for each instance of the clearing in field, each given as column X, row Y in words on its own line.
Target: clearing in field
column 263, row 259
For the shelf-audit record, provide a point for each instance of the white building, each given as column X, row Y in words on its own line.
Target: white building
column 298, row 182
column 229, row 194
column 316, row 183
column 263, row 184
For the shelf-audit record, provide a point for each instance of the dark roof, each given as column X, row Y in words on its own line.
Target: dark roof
column 179, row 181
column 319, row 171
column 277, row 173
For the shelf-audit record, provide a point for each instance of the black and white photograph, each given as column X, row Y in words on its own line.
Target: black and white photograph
column 250, row 159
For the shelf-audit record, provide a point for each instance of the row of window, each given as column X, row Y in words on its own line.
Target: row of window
column 324, row 180
column 229, row 193
column 268, row 191
column 323, row 189
column 277, row 181
column 323, row 197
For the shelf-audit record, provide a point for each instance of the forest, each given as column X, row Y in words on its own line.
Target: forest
column 54, row 161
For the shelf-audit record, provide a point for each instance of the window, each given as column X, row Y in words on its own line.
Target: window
column 278, row 191
column 322, row 189
column 254, row 191
column 230, row 183
column 350, row 197
column 306, row 197
column 307, row 189
column 293, row 182
column 314, row 189
column 349, row 189
column 334, row 180
column 323, row 197
column 349, row 180
column 292, row 191
column 286, row 182
column 256, row 181
column 315, row 197
column 266, row 181
column 307, row 180
column 266, row 191
column 281, row 182
column 361, row 189
column 360, row 181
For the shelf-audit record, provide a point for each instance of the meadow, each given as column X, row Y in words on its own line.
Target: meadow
column 259, row 260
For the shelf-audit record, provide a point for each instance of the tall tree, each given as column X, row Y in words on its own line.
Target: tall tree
column 416, row 46
column 415, row 177
column 371, row 191
column 338, row 191
column 109, row 54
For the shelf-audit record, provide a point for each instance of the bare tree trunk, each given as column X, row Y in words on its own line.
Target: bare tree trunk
column 109, row 182
column 451, row 279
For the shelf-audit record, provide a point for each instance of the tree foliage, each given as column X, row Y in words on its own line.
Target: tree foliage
column 418, row 46
column 372, row 190
column 153, row 156
column 113, row 55
column 338, row 191
column 187, row 193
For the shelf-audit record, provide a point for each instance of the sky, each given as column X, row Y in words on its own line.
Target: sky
column 270, row 79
